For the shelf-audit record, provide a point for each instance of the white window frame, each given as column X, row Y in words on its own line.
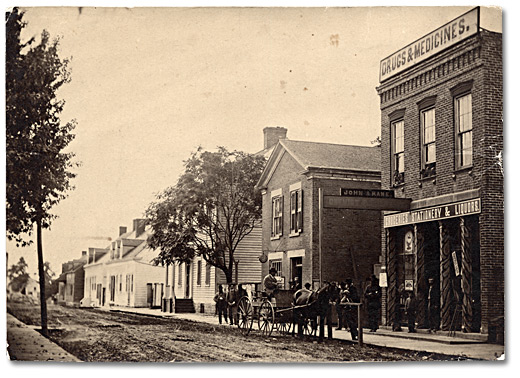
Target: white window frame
column 428, row 146
column 276, row 214
column 296, row 209
column 465, row 120
column 398, row 170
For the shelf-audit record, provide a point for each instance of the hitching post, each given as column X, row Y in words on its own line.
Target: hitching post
column 359, row 325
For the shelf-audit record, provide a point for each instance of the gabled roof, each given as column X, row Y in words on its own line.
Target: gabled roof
column 315, row 155
column 140, row 248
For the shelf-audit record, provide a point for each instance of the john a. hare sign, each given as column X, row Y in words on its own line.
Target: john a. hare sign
column 433, row 213
column 431, row 44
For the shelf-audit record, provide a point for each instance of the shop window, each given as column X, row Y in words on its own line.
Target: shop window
column 428, row 143
column 277, row 216
column 296, row 212
column 277, row 264
column 398, row 152
column 464, row 131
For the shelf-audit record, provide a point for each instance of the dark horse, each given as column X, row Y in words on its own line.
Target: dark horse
column 312, row 305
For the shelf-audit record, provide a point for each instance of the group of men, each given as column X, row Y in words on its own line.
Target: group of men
column 226, row 303
column 345, row 294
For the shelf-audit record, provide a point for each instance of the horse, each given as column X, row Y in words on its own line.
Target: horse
column 311, row 305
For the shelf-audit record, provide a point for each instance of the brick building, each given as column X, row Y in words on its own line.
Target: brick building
column 441, row 145
column 297, row 178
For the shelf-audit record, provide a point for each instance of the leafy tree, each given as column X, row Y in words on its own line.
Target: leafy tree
column 37, row 170
column 211, row 209
column 17, row 274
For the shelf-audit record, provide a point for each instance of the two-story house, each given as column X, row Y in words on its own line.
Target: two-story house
column 123, row 274
column 441, row 144
column 302, row 236
column 70, row 282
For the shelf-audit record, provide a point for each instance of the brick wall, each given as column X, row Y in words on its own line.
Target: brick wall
column 478, row 59
column 348, row 235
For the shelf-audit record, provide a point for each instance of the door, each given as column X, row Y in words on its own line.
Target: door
column 188, row 279
column 296, row 272
column 99, row 289
column 128, row 288
column 149, row 294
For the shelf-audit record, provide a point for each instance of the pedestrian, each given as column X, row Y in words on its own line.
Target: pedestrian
column 433, row 305
column 350, row 295
column 221, row 304
column 295, row 284
column 339, row 308
column 410, row 310
column 373, row 296
column 232, row 302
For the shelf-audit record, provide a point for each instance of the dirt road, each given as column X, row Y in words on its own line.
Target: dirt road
column 97, row 335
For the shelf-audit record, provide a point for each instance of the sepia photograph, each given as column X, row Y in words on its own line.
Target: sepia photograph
column 254, row 184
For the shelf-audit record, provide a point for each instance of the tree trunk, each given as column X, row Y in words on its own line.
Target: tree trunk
column 43, row 303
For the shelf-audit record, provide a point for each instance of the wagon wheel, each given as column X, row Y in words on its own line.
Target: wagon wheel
column 284, row 327
column 308, row 329
column 266, row 318
column 245, row 315
column 284, row 324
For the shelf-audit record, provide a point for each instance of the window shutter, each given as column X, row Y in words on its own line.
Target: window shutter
column 272, row 217
column 300, row 212
column 281, row 215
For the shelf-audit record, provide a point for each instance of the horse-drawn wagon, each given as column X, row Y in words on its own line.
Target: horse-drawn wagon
column 270, row 314
column 282, row 311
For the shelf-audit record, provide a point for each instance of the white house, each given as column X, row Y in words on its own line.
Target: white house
column 125, row 274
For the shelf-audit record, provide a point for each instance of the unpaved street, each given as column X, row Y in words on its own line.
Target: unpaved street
column 97, row 335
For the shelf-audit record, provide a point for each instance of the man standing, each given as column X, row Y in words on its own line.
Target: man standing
column 350, row 295
column 372, row 296
column 433, row 305
column 340, row 310
column 232, row 298
column 409, row 309
column 221, row 304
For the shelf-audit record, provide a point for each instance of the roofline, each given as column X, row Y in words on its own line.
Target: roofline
column 276, row 157
column 334, row 144
column 345, row 169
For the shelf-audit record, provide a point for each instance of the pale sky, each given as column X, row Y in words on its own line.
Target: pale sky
column 150, row 85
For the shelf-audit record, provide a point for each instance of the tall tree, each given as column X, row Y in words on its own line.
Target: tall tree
column 38, row 170
column 211, row 209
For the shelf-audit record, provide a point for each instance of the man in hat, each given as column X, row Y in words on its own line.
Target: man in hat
column 350, row 295
column 232, row 302
column 270, row 283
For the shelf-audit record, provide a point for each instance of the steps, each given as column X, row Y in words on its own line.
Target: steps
column 184, row 306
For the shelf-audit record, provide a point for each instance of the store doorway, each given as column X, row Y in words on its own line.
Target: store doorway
column 296, row 273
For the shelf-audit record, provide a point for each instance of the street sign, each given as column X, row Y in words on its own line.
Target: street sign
column 370, row 193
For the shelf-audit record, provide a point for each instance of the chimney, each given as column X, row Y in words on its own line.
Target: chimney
column 272, row 135
column 139, row 225
column 122, row 230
